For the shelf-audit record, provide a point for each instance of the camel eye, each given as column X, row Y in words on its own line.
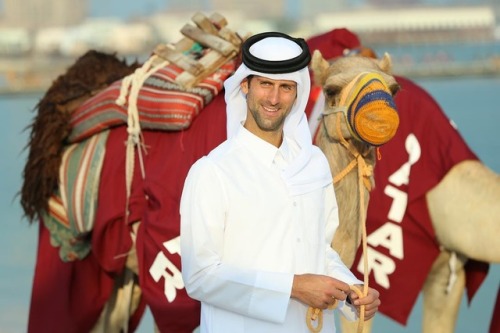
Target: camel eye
column 331, row 92
column 394, row 88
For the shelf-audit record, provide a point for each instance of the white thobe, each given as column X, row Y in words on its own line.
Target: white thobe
column 243, row 237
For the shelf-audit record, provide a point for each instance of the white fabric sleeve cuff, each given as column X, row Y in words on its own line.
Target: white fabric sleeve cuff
column 271, row 296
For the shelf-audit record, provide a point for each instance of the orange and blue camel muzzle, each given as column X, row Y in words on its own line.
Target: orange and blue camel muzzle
column 369, row 109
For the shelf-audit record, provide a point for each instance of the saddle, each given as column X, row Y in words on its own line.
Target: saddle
column 171, row 87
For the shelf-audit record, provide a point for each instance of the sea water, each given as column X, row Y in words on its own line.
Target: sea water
column 473, row 103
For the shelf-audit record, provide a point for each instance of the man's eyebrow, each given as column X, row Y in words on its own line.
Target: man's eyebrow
column 289, row 84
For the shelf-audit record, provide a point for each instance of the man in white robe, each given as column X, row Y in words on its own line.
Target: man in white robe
column 259, row 212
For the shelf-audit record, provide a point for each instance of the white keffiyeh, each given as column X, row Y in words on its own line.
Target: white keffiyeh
column 310, row 168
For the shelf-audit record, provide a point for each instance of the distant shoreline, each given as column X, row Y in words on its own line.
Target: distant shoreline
column 35, row 74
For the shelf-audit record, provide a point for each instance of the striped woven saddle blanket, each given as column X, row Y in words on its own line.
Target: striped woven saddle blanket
column 162, row 104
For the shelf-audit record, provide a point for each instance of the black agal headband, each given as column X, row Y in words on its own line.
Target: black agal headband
column 275, row 66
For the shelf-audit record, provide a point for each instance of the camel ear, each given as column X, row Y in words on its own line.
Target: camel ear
column 319, row 66
column 386, row 63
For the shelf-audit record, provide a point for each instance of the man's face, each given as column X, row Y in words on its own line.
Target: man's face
column 268, row 104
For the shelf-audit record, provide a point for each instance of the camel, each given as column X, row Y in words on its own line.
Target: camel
column 331, row 77
column 335, row 143
column 460, row 193
column 123, row 280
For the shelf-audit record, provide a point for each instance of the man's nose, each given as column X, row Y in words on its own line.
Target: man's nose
column 274, row 95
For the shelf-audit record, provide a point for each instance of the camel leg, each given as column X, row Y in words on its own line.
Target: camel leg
column 132, row 262
column 465, row 211
column 348, row 326
column 440, row 306
column 124, row 301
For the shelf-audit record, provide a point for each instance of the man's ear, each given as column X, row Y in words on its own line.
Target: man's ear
column 244, row 86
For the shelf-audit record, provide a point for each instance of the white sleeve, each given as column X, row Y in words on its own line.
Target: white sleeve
column 257, row 294
column 335, row 266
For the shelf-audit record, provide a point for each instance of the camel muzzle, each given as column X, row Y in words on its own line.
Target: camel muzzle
column 369, row 109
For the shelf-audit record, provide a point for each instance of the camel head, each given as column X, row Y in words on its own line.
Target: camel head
column 359, row 115
column 362, row 88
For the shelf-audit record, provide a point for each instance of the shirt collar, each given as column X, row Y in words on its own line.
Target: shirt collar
column 264, row 151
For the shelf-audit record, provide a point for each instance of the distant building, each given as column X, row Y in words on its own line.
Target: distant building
column 14, row 41
column 34, row 14
column 415, row 25
column 252, row 9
